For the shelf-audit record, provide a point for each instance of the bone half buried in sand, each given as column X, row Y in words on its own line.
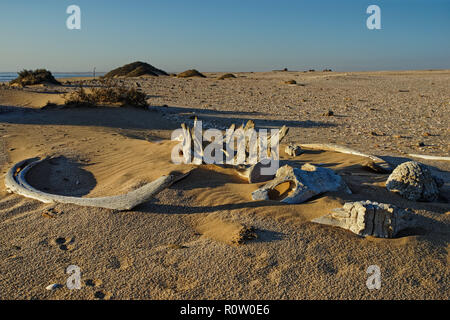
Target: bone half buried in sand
column 15, row 182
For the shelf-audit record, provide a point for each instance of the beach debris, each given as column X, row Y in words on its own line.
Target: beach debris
column 413, row 181
column 53, row 286
column 336, row 148
column 293, row 150
column 190, row 73
column 367, row 218
column 328, row 113
column 297, row 185
column 290, row 82
column 15, row 182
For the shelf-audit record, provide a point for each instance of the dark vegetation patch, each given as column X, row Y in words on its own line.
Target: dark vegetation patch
column 190, row 73
column 135, row 69
column 226, row 76
column 38, row 76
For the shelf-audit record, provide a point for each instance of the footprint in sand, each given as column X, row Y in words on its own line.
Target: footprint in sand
column 65, row 244
column 102, row 295
column 119, row 264
column 93, row 283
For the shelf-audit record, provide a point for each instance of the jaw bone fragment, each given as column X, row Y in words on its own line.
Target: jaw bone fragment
column 297, row 185
column 15, row 182
column 366, row 218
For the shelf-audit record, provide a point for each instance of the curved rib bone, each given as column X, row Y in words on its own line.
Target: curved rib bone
column 334, row 147
column 427, row 157
column 15, row 181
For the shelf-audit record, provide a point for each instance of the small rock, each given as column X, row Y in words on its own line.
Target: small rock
column 329, row 113
column 53, row 286
column 421, row 144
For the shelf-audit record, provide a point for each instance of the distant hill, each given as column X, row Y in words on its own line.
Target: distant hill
column 190, row 73
column 136, row 69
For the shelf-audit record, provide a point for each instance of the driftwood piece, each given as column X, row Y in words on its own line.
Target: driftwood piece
column 15, row 182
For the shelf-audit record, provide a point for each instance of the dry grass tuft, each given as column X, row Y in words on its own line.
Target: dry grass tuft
column 110, row 93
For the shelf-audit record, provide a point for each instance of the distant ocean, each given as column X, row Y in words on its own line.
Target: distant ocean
column 8, row 76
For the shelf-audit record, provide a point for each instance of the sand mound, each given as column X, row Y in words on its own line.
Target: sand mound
column 233, row 233
column 227, row 76
column 23, row 98
column 135, row 69
column 190, row 73
column 38, row 76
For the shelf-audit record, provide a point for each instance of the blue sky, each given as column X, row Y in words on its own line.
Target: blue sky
column 230, row 35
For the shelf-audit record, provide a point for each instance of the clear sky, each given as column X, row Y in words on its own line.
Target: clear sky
column 225, row 35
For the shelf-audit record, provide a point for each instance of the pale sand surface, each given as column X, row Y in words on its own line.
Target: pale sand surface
column 180, row 246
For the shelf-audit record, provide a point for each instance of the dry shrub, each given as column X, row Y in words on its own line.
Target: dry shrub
column 110, row 93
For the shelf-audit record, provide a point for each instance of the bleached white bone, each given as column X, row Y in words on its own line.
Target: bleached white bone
column 15, row 182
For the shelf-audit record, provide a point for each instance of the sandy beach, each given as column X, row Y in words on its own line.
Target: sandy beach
column 184, row 243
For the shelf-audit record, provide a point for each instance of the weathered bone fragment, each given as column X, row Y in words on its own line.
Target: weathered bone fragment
column 15, row 182
column 297, row 185
column 293, row 150
column 366, row 218
column 193, row 148
column 253, row 173
column 333, row 147
column 427, row 157
column 413, row 181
